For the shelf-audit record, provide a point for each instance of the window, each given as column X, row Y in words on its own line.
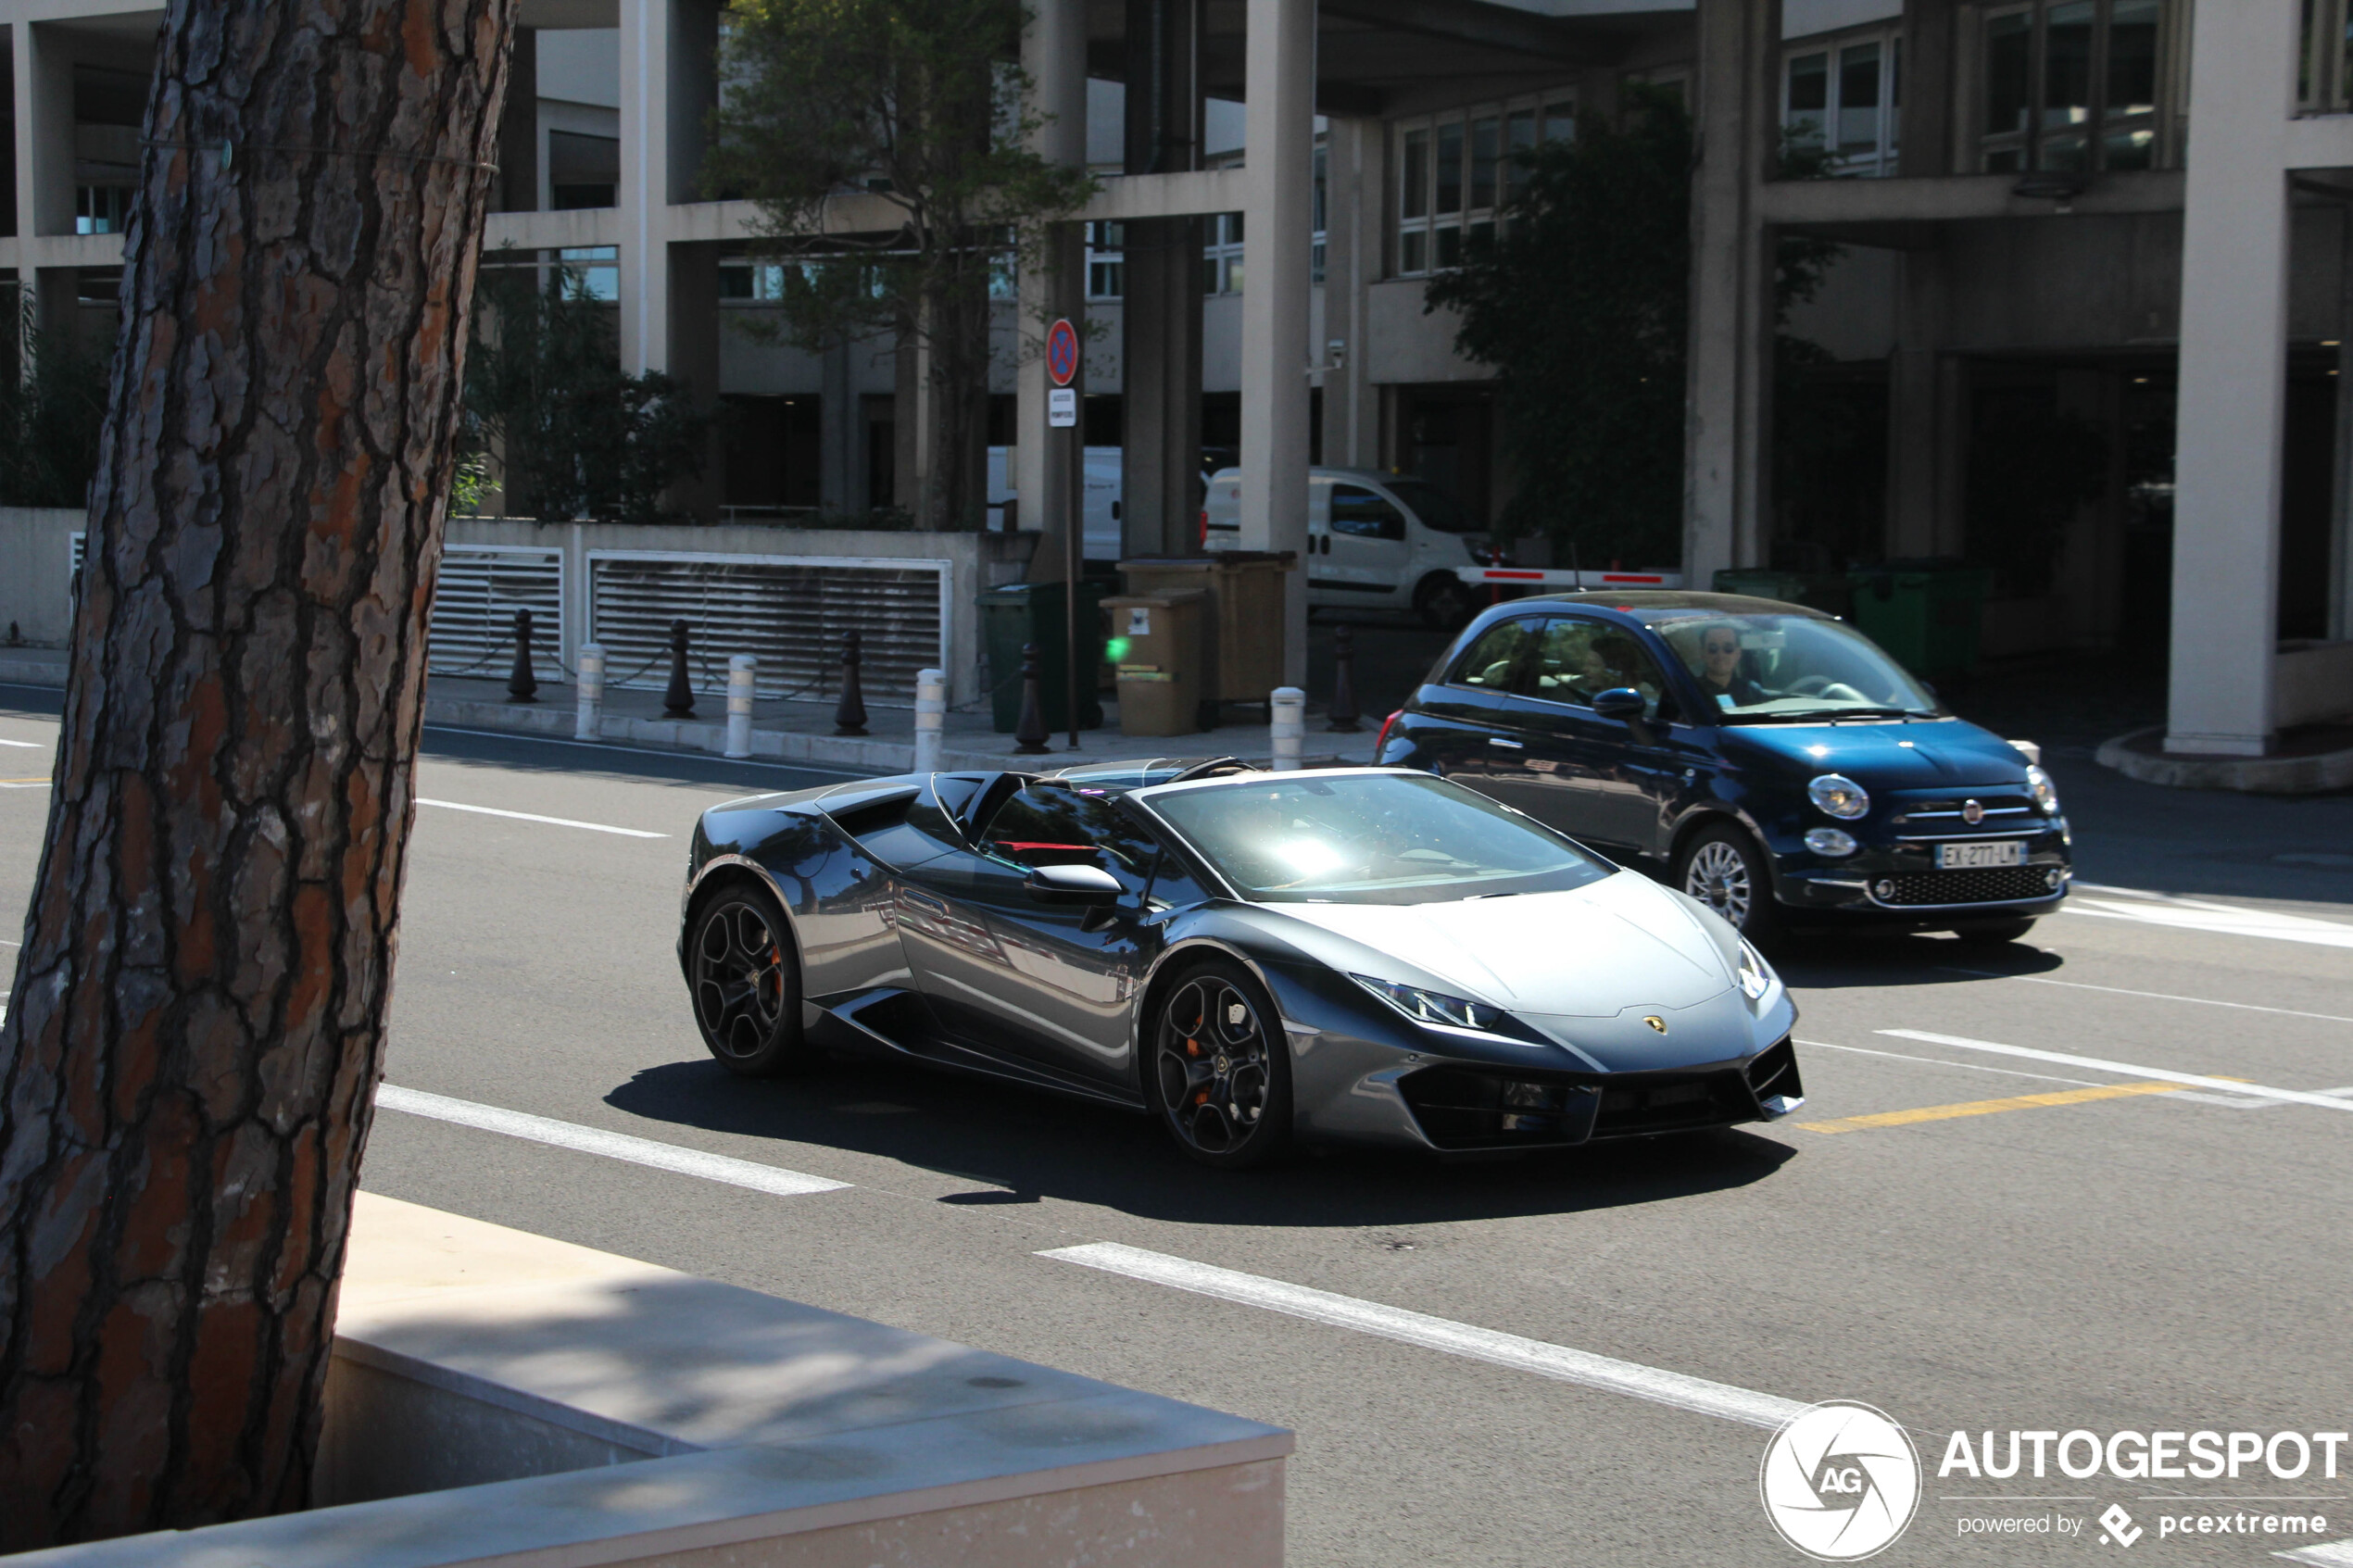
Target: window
column 1842, row 99
column 1493, row 661
column 1362, row 514
column 1578, row 659
column 101, row 209
column 1055, row 825
column 582, row 170
column 1322, row 206
column 1106, row 266
column 2072, row 87
column 2325, row 73
column 1221, row 261
column 1455, row 173
column 594, row 271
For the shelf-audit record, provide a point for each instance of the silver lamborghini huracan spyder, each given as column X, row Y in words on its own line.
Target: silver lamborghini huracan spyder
column 1359, row 954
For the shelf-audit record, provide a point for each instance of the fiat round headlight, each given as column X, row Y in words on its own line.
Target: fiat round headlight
column 1839, row 796
column 2039, row 786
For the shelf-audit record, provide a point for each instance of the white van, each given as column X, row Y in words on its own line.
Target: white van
column 1374, row 540
column 1103, row 465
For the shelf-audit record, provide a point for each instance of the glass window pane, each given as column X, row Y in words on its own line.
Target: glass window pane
column 2128, row 148
column 1233, row 228
column 1211, row 271
column 1321, row 163
column 2132, row 58
column 1482, row 233
column 1413, row 191
column 1450, row 167
column 2067, row 65
column 1519, row 137
column 1895, row 92
column 1486, row 147
column 2009, row 42
column 1859, row 101
column 1560, row 121
column 1450, row 248
column 1413, row 255
column 1234, row 276
column 1809, row 96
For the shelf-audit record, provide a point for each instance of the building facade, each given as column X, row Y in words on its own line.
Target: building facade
column 2088, row 321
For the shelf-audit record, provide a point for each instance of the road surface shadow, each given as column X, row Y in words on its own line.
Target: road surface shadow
column 1031, row 1146
column 1841, row 962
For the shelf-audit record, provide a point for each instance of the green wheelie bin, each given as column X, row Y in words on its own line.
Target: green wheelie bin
column 1032, row 612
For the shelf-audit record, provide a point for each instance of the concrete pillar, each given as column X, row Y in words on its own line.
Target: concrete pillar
column 44, row 114
column 1917, row 487
column 2234, row 386
column 693, row 359
column 518, row 126
column 1278, row 130
column 1727, row 495
column 1052, row 281
column 1161, row 321
column 2341, row 501
column 841, row 481
column 646, row 127
column 1355, row 176
column 1931, row 37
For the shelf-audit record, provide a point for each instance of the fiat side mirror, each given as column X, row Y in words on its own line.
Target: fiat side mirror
column 1090, row 887
column 1619, row 702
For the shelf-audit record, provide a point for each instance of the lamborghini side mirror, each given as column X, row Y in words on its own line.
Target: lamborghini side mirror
column 1090, row 886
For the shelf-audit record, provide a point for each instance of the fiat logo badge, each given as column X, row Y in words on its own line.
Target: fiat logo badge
column 1658, row 1025
column 1972, row 812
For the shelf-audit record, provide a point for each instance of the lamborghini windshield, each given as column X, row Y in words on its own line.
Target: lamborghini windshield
column 1762, row 669
column 1368, row 838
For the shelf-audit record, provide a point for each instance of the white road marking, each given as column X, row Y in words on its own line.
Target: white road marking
column 28, row 745
column 2153, row 996
column 2329, row 1555
column 1940, row 1061
column 613, row 1146
column 1438, row 1334
column 2195, row 914
column 534, row 817
column 2100, row 1064
column 830, row 770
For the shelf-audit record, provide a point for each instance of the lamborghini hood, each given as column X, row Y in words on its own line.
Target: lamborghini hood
column 1586, row 952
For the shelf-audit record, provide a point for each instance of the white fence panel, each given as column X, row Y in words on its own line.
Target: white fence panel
column 474, row 603
column 791, row 612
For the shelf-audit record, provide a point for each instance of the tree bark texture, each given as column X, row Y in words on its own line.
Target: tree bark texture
column 197, row 1018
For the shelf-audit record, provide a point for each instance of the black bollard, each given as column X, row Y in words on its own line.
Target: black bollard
column 850, row 713
column 1343, row 708
column 521, row 684
column 678, row 702
column 1031, row 731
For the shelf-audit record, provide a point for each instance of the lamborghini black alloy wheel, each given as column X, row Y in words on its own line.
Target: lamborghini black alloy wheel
column 1220, row 1084
column 744, row 985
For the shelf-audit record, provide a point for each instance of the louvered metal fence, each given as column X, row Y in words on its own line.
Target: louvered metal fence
column 474, row 604
column 791, row 612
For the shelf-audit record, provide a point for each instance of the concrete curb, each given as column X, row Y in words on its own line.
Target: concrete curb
column 2316, row 774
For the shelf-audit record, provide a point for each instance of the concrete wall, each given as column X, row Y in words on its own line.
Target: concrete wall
column 2312, row 682
column 714, row 1427
column 36, row 572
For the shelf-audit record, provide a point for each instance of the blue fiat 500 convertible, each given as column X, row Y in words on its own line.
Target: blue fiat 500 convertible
column 1768, row 759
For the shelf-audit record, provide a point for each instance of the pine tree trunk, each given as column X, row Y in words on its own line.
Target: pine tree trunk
column 198, row 1018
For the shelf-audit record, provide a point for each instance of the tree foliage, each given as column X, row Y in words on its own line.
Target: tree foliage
column 1581, row 306
column 50, row 417
column 916, row 107
column 578, row 437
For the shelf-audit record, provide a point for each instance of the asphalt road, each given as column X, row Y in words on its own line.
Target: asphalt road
column 2169, row 1257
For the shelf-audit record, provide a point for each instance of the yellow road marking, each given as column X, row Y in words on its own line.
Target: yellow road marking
column 1985, row 1107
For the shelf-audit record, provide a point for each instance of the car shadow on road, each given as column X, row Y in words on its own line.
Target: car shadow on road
column 1016, row 1146
column 1825, row 963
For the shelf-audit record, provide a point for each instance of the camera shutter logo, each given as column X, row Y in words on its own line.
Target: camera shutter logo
column 1840, row 1481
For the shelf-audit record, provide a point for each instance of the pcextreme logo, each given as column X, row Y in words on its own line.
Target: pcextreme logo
column 1840, row 1481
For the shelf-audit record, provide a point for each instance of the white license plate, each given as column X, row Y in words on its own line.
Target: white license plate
column 1974, row 857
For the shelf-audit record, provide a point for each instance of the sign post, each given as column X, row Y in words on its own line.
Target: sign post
column 1063, row 361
